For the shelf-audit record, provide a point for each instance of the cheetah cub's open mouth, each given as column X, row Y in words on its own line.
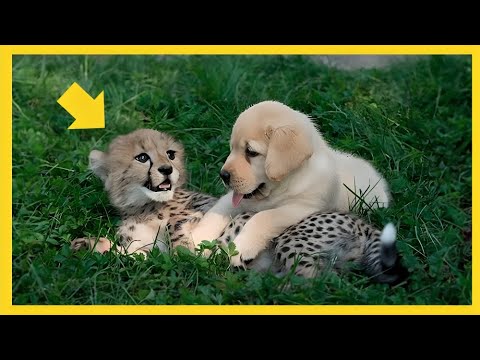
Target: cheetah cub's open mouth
column 166, row 185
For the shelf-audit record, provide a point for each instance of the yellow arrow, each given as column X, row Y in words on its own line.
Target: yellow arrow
column 88, row 113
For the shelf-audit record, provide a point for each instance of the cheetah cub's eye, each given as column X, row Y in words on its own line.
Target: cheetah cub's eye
column 171, row 154
column 142, row 157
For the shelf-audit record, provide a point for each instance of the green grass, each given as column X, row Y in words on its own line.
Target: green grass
column 412, row 121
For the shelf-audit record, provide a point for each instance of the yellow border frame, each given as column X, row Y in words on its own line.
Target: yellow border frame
column 6, row 53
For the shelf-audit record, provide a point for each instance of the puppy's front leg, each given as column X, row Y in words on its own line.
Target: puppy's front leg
column 263, row 227
column 215, row 220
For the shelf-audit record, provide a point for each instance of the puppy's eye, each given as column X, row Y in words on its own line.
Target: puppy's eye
column 250, row 152
column 142, row 157
column 171, row 154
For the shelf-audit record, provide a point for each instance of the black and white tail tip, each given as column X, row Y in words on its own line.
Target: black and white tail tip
column 393, row 271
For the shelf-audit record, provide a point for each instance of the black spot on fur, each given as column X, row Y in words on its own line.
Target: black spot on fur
column 295, row 233
column 313, row 219
column 279, row 256
column 285, row 249
column 303, row 262
column 340, row 221
column 173, row 208
column 131, row 227
column 332, row 236
column 309, row 265
column 309, row 231
column 303, row 227
column 237, row 230
column 299, row 245
column 328, row 221
column 319, row 228
column 227, row 239
column 291, row 255
column 304, row 238
column 199, row 205
column 230, row 226
column 317, row 236
column 330, row 229
column 334, row 216
column 317, row 246
column 246, row 217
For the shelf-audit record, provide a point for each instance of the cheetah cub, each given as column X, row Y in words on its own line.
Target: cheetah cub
column 143, row 172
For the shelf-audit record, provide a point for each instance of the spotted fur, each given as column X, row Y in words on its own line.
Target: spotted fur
column 329, row 241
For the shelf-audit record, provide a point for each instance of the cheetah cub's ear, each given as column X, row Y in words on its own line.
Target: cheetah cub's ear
column 98, row 164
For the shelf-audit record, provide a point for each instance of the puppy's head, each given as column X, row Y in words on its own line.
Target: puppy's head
column 269, row 141
column 140, row 167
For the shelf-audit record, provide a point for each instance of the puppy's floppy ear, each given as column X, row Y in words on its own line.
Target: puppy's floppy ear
column 97, row 164
column 288, row 148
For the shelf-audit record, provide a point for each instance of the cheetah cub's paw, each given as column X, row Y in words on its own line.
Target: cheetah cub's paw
column 101, row 245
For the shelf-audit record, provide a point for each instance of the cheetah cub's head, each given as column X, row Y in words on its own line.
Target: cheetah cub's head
column 141, row 167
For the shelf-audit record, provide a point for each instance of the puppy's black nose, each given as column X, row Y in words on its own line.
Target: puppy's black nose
column 165, row 169
column 225, row 175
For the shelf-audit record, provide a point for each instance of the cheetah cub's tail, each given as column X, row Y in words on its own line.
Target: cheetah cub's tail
column 387, row 267
column 388, row 249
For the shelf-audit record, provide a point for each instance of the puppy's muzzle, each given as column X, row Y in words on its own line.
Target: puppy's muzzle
column 225, row 175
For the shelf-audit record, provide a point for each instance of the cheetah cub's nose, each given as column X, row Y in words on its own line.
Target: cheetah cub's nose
column 165, row 170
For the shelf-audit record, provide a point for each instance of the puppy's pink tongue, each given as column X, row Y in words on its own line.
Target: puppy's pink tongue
column 236, row 199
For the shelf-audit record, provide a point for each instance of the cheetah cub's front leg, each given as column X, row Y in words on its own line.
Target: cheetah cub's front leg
column 100, row 245
column 134, row 239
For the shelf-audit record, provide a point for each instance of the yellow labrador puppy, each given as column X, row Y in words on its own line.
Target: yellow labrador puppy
column 281, row 168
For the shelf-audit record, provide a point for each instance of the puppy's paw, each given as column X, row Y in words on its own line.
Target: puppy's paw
column 238, row 261
column 246, row 253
